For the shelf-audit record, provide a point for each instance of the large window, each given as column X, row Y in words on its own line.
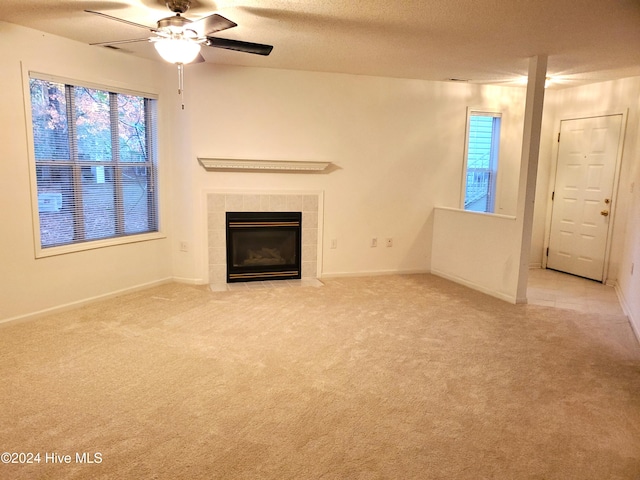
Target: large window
column 95, row 167
column 481, row 166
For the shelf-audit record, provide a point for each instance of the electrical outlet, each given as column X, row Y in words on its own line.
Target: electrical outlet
column 374, row 242
column 334, row 243
column 184, row 247
column 389, row 242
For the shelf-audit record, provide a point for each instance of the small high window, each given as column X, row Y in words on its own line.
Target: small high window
column 481, row 161
column 95, row 167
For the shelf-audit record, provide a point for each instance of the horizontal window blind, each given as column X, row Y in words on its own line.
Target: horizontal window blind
column 95, row 162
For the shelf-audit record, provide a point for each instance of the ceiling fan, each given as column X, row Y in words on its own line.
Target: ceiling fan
column 178, row 40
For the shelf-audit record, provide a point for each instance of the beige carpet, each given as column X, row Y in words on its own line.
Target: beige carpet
column 399, row 377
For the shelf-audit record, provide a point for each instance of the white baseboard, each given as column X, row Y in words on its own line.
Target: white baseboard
column 478, row 287
column 189, row 281
column 375, row 273
column 635, row 322
column 79, row 303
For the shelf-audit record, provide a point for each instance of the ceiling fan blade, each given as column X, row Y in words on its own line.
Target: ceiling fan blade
column 120, row 20
column 116, row 42
column 211, row 24
column 247, row 47
column 199, row 59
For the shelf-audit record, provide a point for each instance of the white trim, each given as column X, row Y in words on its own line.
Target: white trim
column 102, row 243
column 614, row 191
column 242, row 191
column 79, row 303
column 478, row 287
column 487, row 112
column 634, row 322
column 471, row 212
column 375, row 273
column 39, row 251
column 96, row 86
column 613, row 208
column 189, row 281
column 262, row 165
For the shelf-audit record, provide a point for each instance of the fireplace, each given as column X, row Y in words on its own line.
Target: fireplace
column 263, row 246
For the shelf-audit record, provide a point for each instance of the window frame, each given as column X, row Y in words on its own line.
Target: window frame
column 494, row 162
column 153, row 164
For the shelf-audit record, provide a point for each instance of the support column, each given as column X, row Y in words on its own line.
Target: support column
column 529, row 167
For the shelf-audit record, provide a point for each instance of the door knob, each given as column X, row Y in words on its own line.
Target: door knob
column 604, row 213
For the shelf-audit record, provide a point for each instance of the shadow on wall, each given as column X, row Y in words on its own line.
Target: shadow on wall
column 422, row 245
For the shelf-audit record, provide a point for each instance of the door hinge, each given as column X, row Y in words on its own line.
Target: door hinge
column 553, row 195
column 558, row 136
column 547, row 251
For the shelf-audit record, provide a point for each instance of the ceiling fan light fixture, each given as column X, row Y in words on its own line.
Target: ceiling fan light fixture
column 177, row 50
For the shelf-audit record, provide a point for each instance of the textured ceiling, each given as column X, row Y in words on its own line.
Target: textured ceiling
column 483, row 41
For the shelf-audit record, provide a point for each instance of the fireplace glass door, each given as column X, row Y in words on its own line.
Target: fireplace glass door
column 263, row 246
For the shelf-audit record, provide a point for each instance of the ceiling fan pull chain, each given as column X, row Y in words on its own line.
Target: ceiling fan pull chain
column 181, row 82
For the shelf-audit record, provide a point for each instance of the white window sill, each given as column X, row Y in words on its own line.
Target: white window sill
column 107, row 242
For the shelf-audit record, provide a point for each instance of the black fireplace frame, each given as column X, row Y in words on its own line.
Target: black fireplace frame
column 248, row 221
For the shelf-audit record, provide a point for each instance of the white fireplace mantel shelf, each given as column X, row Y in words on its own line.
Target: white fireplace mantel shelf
column 263, row 165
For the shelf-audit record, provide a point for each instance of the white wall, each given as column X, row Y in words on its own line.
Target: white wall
column 27, row 284
column 398, row 145
column 628, row 285
column 482, row 253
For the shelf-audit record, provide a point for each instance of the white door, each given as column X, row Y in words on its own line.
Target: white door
column 583, row 193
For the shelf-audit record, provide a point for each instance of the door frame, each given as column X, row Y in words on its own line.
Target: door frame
column 553, row 171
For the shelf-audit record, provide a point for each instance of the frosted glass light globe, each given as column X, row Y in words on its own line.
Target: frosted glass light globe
column 177, row 50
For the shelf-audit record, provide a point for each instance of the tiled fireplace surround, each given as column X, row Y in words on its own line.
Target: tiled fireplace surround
column 220, row 203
